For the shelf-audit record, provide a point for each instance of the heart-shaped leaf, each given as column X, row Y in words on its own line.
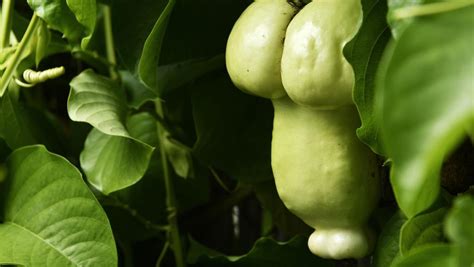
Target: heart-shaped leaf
column 50, row 216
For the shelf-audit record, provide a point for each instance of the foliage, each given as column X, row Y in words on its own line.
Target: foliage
column 144, row 153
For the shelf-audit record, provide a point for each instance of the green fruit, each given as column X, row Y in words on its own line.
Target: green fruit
column 314, row 70
column 325, row 176
column 323, row 173
column 255, row 46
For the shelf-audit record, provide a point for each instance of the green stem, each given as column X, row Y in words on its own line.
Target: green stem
column 429, row 9
column 109, row 42
column 174, row 235
column 6, row 24
column 16, row 58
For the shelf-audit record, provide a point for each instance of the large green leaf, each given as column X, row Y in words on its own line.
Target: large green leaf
column 150, row 57
column 112, row 158
column 50, row 216
column 422, row 229
column 458, row 228
column 112, row 162
column 427, row 104
column 266, row 252
column 59, row 17
column 364, row 53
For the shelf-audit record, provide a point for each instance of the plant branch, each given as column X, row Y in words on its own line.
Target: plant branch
column 6, row 24
column 109, row 42
column 174, row 235
column 16, row 58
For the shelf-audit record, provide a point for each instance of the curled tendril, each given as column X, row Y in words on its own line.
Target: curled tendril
column 31, row 77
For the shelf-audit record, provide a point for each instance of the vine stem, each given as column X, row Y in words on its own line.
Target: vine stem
column 429, row 9
column 16, row 58
column 109, row 42
column 6, row 24
column 174, row 235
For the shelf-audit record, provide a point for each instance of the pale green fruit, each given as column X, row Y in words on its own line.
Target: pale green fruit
column 314, row 70
column 325, row 176
column 255, row 46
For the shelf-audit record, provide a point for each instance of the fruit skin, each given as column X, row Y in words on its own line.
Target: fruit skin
column 325, row 176
column 323, row 173
column 255, row 46
column 314, row 69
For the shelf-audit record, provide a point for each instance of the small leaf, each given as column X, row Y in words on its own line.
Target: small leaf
column 364, row 53
column 98, row 101
column 179, row 156
column 43, row 38
column 422, row 229
column 50, row 216
column 112, row 158
column 59, row 17
column 427, row 103
column 151, row 50
column 86, row 14
column 112, row 163
column 459, row 229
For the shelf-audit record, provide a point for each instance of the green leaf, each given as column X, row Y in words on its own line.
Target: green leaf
column 59, row 17
column 50, row 216
column 151, row 50
column 364, row 53
column 439, row 255
column 43, row 38
column 179, row 156
column 266, row 252
column 86, row 14
column 112, row 163
column 99, row 101
column 112, row 158
column 388, row 243
column 458, row 228
column 130, row 37
column 422, row 229
column 427, row 103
